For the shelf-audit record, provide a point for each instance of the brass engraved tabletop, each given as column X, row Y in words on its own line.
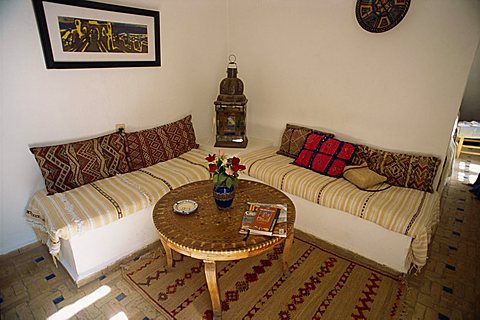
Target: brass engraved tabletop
column 211, row 234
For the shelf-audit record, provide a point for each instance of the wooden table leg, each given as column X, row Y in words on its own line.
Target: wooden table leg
column 211, row 276
column 460, row 145
column 168, row 253
column 286, row 252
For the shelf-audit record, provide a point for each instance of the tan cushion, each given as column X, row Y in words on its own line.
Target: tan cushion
column 362, row 176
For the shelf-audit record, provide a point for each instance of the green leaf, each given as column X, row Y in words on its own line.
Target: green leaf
column 229, row 182
column 222, row 178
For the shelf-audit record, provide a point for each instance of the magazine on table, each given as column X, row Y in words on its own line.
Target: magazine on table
column 265, row 219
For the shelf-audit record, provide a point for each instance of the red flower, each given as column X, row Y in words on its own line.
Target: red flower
column 238, row 167
column 223, row 169
column 210, row 158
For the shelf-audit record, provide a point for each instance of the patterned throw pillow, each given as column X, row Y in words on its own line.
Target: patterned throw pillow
column 55, row 167
column 148, row 147
column 402, row 170
column 181, row 135
column 72, row 165
column 325, row 155
column 293, row 139
column 114, row 153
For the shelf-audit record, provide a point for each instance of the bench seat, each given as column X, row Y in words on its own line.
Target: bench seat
column 62, row 216
column 402, row 210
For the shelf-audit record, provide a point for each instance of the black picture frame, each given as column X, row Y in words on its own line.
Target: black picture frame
column 84, row 34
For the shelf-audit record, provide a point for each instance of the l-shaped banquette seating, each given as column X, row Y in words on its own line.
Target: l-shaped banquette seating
column 99, row 194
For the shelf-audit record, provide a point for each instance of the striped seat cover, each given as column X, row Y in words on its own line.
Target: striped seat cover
column 63, row 215
column 407, row 211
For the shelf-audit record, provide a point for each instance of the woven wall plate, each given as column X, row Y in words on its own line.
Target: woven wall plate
column 380, row 15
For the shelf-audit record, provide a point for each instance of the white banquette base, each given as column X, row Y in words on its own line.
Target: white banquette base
column 352, row 233
column 87, row 254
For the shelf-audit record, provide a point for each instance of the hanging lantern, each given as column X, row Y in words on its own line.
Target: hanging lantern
column 231, row 110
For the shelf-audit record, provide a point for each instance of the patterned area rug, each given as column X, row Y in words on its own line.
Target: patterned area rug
column 321, row 285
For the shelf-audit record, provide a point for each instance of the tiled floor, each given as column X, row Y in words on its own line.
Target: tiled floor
column 31, row 287
column 449, row 286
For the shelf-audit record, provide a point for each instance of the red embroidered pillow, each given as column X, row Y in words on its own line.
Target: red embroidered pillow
column 325, row 155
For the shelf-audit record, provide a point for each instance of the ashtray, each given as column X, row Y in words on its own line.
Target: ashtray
column 185, row 207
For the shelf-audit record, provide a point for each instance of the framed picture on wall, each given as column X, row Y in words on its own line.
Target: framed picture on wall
column 85, row 34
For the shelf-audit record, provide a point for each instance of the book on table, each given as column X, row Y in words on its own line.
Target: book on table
column 265, row 219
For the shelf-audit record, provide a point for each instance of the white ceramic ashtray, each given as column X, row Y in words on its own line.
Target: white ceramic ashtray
column 185, row 207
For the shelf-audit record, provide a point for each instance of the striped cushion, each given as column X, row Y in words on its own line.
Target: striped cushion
column 403, row 210
column 93, row 205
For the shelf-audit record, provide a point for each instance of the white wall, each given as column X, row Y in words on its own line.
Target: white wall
column 470, row 109
column 309, row 62
column 40, row 106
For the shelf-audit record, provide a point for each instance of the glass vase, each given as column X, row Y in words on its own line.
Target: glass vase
column 223, row 196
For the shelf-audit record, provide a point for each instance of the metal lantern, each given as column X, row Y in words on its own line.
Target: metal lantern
column 231, row 110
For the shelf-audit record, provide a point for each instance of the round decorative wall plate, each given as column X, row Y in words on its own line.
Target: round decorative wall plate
column 380, row 15
column 185, row 207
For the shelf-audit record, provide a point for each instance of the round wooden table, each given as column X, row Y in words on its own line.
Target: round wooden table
column 212, row 234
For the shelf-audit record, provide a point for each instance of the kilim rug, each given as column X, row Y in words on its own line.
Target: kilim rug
column 321, row 285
